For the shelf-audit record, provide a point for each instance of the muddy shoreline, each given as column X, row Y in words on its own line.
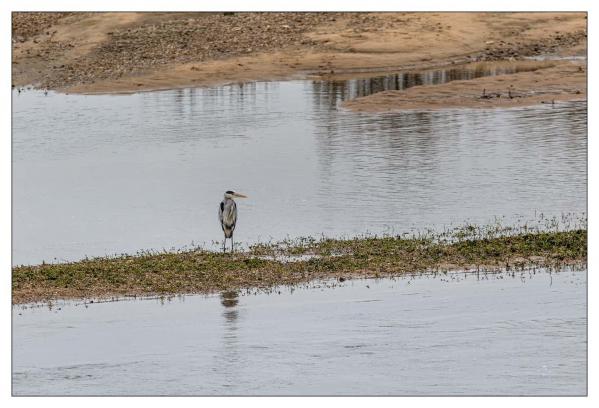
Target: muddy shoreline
column 131, row 52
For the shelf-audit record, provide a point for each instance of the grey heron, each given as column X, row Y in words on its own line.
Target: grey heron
column 227, row 215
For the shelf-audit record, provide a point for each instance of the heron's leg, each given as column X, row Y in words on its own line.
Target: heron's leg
column 224, row 243
column 231, row 243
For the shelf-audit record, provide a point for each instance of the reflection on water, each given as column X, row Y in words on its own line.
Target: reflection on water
column 96, row 175
column 227, row 361
column 516, row 333
column 340, row 90
column 229, row 299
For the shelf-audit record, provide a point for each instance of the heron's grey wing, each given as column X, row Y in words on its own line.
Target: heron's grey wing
column 232, row 215
column 229, row 217
column 221, row 209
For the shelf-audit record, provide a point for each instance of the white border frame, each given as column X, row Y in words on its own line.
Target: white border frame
column 7, row 6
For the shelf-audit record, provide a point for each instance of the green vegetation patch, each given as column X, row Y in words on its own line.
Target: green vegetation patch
column 289, row 263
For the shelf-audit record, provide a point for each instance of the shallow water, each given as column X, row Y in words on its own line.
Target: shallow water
column 96, row 175
column 454, row 334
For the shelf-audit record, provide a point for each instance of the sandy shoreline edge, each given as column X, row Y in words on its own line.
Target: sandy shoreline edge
column 94, row 53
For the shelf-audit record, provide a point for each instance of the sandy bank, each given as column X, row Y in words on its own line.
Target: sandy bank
column 128, row 52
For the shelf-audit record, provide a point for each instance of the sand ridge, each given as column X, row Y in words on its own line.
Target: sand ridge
column 130, row 52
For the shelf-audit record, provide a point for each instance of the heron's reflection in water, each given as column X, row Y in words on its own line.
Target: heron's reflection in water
column 229, row 299
column 230, row 356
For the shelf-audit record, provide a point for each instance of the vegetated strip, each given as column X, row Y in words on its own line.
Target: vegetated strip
column 201, row 271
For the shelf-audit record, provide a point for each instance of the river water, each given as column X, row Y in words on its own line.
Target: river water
column 98, row 175
column 455, row 334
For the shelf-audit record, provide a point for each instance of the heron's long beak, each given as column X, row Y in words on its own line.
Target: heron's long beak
column 240, row 195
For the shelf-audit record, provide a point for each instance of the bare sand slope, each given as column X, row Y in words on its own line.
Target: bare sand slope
column 127, row 52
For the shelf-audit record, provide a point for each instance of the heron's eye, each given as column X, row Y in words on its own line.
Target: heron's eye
column 229, row 192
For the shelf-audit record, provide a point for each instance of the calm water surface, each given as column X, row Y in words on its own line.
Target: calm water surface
column 456, row 334
column 96, row 175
